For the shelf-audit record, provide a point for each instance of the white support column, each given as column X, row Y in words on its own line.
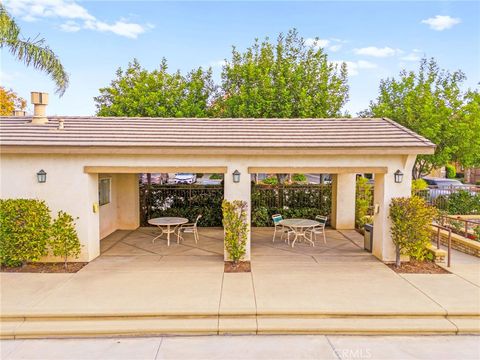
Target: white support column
column 239, row 191
column 91, row 224
column 343, row 201
column 128, row 198
column 385, row 189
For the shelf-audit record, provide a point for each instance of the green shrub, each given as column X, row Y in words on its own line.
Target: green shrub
column 64, row 240
column 363, row 200
column 477, row 183
column 450, row 171
column 271, row 180
column 476, row 231
column 24, row 231
column 299, row 178
column 367, row 219
column 235, row 228
column 411, row 227
column 463, row 202
column 261, row 217
column 419, row 184
column 216, row 177
column 199, row 175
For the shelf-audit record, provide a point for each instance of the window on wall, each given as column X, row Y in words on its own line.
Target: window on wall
column 104, row 191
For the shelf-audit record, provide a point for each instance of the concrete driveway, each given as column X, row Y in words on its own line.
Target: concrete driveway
column 288, row 289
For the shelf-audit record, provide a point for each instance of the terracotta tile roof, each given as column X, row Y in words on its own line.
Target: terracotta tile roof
column 180, row 132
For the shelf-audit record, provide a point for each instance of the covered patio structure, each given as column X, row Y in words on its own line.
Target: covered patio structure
column 77, row 152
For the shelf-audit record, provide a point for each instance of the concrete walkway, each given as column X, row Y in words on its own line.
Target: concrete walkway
column 247, row 347
column 329, row 288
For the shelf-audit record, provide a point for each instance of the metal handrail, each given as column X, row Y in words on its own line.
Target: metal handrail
column 465, row 221
column 449, row 244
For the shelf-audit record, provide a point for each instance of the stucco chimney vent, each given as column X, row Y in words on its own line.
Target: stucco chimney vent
column 39, row 101
column 61, row 124
column 19, row 112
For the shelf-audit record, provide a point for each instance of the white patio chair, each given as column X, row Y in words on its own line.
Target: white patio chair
column 190, row 228
column 319, row 229
column 280, row 228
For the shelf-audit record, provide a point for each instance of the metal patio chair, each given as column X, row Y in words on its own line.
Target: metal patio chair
column 319, row 229
column 280, row 228
column 190, row 228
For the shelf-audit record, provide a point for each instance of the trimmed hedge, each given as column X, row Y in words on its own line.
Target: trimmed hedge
column 24, row 230
column 27, row 232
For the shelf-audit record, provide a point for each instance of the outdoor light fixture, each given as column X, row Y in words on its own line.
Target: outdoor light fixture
column 236, row 176
column 42, row 176
column 398, row 176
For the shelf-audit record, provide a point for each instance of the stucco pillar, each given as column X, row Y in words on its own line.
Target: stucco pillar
column 89, row 233
column 128, row 202
column 239, row 191
column 385, row 189
column 343, row 201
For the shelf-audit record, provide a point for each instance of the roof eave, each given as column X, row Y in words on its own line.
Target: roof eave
column 149, row 150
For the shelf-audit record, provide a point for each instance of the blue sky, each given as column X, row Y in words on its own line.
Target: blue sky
column 377, row 39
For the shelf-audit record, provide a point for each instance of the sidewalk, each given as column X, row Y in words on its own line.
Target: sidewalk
column 247, row 347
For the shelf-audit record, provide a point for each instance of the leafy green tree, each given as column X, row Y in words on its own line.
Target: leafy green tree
column 431, row 103
column 287, row 79
column 411, row 227
column 158, row 93
column 32, row 52
column 64, row 240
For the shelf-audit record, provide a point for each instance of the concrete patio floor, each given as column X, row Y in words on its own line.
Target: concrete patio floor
column 288, row 289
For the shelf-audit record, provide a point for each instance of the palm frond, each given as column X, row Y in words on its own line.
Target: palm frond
column 32, row 52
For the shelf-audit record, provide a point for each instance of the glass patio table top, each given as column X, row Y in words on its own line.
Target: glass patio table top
column 167, row 225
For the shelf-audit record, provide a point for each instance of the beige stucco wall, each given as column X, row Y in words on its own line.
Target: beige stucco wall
column 70, row 189
column 122, row 213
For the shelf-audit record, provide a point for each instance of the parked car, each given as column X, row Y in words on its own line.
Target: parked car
column 155, row 178
column 185, row 178
column 444, row 187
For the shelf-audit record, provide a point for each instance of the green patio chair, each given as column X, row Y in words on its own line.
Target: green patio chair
column 280, row 228
column 319, row 229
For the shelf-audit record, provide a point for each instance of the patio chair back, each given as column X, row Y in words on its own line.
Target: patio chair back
column 198, row 218
column 321, row 219
column 276, row 219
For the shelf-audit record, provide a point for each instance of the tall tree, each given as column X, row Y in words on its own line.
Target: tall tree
column 139, row 92
column 430, row 102
column 33, row 52
column 10, row 101
column 287, row 79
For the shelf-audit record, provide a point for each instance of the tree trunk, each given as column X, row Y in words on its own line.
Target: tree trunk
column 397, row 256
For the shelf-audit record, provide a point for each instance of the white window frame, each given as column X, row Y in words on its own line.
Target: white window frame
column 109, row 192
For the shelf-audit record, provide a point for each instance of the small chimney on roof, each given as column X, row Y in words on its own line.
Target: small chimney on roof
column 19, row 112
column 39, row 101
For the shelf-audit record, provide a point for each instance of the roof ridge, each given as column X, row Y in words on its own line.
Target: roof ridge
column 409, row 131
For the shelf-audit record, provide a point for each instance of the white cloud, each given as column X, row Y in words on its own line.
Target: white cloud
column 353, row 67
column 377, row 52
column 441, row 22
column 75, row 16
column 335, row 48
column 329, row 44
column 70, row 26
column 414, row 55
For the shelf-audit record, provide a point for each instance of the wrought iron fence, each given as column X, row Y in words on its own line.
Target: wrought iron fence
column 190, row 200
column 304, row 201
column 182, row 200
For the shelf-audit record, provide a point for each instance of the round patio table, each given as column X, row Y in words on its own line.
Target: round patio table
column 165, row 225
column 299, row 227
